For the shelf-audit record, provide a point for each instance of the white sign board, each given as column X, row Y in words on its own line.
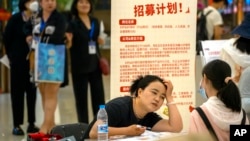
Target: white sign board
column 154, row 37
column 211, row 50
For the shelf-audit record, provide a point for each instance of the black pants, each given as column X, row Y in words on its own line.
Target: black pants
column 20, row 83
column 80, row 86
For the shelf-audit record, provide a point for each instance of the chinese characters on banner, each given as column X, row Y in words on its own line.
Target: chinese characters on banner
column 155, row 37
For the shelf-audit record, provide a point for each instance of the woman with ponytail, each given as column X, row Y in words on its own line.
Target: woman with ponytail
column 223, row 105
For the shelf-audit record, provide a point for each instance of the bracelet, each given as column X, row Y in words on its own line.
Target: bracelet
column 171, row 103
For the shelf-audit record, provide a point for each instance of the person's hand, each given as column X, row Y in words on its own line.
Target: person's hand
column 238, row 71
column 100, row 41
column 169, row 91
column 135, row 130
column 29, row 39
column 69, row 37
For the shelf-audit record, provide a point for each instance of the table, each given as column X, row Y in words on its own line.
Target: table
column 146, row 136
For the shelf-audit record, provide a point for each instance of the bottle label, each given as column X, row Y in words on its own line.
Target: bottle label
column 103, row 128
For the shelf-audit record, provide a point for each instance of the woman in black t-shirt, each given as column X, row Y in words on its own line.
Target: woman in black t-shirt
column 126, row 113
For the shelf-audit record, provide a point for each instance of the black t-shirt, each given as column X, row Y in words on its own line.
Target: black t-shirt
column 120, row 114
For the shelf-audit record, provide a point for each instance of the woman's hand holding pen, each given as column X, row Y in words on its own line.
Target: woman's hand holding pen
column 135, row 130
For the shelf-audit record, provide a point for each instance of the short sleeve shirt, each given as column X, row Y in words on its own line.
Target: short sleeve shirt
column 214, row 18
column 120, row 114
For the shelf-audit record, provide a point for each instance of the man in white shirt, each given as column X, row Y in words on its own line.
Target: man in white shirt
column 214, row 19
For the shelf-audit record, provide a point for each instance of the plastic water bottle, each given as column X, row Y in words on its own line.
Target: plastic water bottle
column 102, row 118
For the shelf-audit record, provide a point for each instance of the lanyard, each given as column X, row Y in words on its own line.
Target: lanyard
column 91, row 34
column 42, row 26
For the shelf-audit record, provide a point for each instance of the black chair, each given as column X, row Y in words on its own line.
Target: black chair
column 75, row 129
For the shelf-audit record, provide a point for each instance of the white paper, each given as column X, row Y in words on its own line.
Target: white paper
column 102, row 34
column 101, row 27
column 5, row 61
column 148, row 136
column 211, row 50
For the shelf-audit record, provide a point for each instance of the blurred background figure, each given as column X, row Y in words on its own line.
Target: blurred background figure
column 200, row 6
column 84, row 55
column 245, row 90
column 236, row 51
column 17, row 50
column 214, row 19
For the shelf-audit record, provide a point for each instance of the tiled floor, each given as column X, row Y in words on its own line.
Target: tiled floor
column 65, row 112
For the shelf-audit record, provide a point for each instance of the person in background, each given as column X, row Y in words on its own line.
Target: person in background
column 17, row 50
column 84, row 57
column 200, row 6
column 132, row 115
column 223, row 106
column 214, row 19
column 245, row 90
column 50, row 19
column 236, row 51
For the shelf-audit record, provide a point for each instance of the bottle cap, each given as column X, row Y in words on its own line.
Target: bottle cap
column 101, row 106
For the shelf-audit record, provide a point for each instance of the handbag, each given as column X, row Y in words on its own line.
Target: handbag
column 104, row 65
column 43, row 137
column 49, row 63
column 76, row 130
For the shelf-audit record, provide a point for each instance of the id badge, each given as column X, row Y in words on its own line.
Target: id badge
column 92, row 47
column 35, row 42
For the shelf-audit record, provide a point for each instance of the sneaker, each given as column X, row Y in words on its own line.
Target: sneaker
column 17, row 131
column 32, row 129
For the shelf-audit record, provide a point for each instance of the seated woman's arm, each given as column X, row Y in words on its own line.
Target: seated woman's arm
column 173, row 124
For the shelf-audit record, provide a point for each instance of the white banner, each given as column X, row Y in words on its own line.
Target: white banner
column 155, row 37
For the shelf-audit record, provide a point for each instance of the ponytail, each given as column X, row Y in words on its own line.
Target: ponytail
column 230, row 96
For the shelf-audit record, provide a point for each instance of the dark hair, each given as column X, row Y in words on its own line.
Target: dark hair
column 217, row 71
column 21, row 5
column 243, row 45
column 74, row 11
column 143, row 82
column 225, row 1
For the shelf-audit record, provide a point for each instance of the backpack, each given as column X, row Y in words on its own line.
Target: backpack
column 201, row 30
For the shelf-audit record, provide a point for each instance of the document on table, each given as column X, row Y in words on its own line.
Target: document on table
column 146, row 136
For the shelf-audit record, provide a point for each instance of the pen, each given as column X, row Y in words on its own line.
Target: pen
column 147, row 128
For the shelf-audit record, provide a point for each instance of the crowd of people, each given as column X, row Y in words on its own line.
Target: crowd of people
column 224, row 81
